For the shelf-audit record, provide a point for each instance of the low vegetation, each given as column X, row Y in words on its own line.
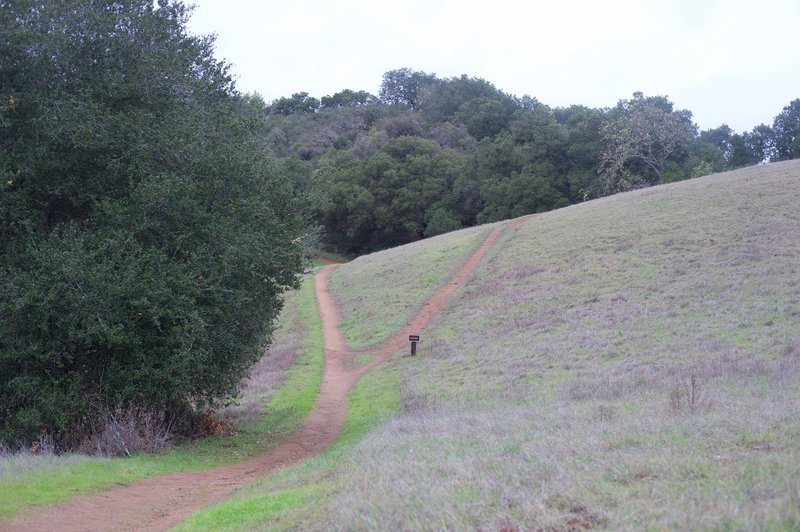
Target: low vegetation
column 631, row 362
column 277, row 395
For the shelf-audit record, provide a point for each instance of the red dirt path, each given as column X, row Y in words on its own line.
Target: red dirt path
column 157, row 503
column 327, row 259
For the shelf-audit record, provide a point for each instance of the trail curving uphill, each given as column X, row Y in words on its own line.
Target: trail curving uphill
column 157, row 503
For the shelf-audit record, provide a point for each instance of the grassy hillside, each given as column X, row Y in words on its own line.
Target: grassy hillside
column 377, row 293
column 625, row 363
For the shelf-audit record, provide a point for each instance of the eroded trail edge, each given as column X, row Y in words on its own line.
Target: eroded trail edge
column 159, row 502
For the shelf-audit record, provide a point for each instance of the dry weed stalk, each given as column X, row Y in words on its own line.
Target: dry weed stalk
column 606, row 412
column 690, row 394
column 43, row 444
column 127, row 430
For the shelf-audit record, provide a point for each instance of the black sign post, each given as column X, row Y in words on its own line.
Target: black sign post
column 413, row 338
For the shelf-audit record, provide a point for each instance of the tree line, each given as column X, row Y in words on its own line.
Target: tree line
column 429, row 155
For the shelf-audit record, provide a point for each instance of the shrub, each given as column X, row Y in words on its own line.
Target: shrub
column 127, row 430
column 145, row 237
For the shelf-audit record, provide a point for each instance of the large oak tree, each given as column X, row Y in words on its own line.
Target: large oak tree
column 642, row 135
column 145, row 236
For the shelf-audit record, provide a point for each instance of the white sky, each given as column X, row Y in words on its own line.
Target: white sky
column 728, row 61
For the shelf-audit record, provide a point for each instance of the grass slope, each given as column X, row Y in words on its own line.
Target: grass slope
column 559, row 391
column 628, row 363
column 278, row 395
column 377, row 293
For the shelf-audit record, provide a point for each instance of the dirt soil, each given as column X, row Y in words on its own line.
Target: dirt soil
column 327, row 259
column 158, row 503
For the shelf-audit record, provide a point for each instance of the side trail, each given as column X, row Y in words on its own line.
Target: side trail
column 158, row 503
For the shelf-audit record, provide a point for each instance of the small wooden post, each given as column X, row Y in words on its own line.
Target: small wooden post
column 413, row 338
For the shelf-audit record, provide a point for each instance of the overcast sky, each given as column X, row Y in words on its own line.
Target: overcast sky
column 728, row 61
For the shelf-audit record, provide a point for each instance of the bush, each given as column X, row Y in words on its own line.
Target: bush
column 145, row 237
column 127, row 430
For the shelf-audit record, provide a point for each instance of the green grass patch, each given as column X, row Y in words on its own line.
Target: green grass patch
column 358, row 360
column 374, row 399
column 54, row 482
column 299, row 391
column 250, row 512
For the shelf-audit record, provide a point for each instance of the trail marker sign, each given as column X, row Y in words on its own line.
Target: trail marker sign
column 413, row 338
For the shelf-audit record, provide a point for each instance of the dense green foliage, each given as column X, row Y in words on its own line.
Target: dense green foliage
column 787, row 132
column 146, row 235
column 431, row 155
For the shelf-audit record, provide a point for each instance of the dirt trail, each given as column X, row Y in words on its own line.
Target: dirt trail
column 327, row 259
column 157, row 503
